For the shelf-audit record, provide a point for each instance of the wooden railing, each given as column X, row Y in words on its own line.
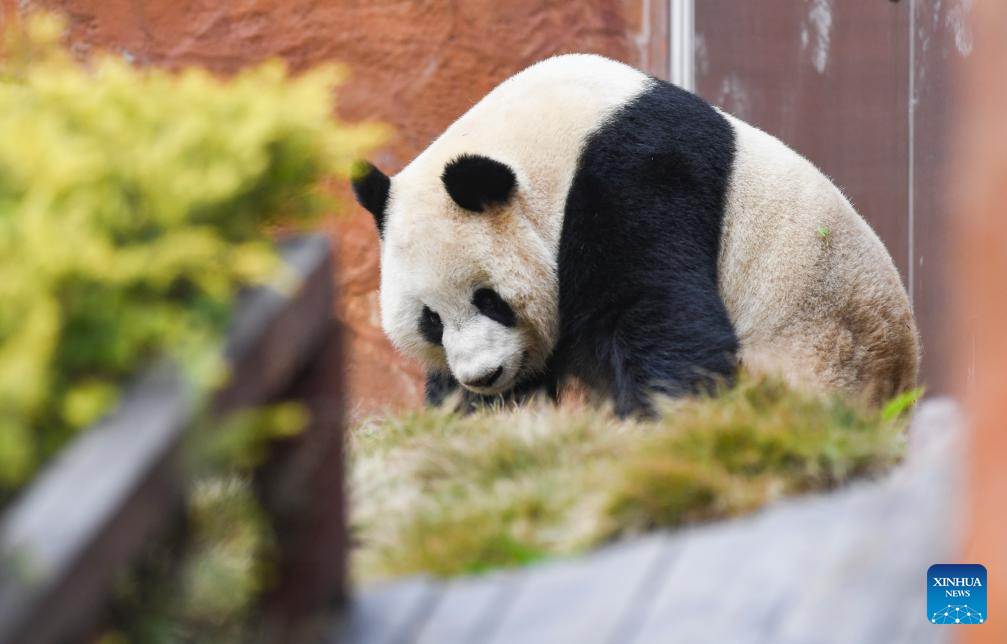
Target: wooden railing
column 120, row 484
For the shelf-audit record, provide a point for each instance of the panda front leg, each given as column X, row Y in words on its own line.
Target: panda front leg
column 440, row 386
column 674, row 350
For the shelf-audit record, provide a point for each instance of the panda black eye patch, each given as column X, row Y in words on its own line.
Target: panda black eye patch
column 492, row 306
column 431, row 326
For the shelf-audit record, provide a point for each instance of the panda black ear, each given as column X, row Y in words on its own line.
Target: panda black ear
column 475, row 182
column 371, row 186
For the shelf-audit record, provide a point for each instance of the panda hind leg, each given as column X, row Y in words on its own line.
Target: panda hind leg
column 672, row 351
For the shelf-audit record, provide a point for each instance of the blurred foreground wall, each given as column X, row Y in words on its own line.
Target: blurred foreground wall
column 417, row 65
column 981, row 273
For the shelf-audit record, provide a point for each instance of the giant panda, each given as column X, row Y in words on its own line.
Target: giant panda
column 585, row 220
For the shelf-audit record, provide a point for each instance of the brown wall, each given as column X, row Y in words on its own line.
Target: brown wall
column 833, row 80
column 416, row 65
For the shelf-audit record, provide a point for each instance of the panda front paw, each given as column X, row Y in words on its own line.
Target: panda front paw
column 440, row 387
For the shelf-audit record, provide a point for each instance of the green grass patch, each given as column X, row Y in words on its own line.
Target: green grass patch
column 436, row 492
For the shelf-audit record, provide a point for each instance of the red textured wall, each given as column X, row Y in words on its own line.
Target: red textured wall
column 980, row 346
column 416, row 65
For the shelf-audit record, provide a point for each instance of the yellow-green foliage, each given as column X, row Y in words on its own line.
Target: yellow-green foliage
column 447, row 494
column 133, row 204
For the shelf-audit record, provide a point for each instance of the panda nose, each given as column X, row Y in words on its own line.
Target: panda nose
column 486, row 380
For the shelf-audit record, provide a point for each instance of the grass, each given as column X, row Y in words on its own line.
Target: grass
column 436, row 492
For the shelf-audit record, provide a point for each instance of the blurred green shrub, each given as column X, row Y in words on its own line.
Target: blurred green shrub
column 133, row 205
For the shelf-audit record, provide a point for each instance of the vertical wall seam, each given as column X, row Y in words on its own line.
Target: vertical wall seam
column 644, row 46
column 672, row 59
column 911, row 232
column 682, row 48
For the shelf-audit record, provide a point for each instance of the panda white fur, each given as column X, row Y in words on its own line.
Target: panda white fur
column 586, row 220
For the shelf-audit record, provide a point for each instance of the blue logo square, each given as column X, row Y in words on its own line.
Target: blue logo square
column 956, row 594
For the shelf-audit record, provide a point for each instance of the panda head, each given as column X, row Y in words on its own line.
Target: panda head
column 468, row 278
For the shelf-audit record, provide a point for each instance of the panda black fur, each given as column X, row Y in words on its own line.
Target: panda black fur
column 642, row 242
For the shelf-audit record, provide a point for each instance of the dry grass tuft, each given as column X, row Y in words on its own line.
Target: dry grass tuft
column 446, row 494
